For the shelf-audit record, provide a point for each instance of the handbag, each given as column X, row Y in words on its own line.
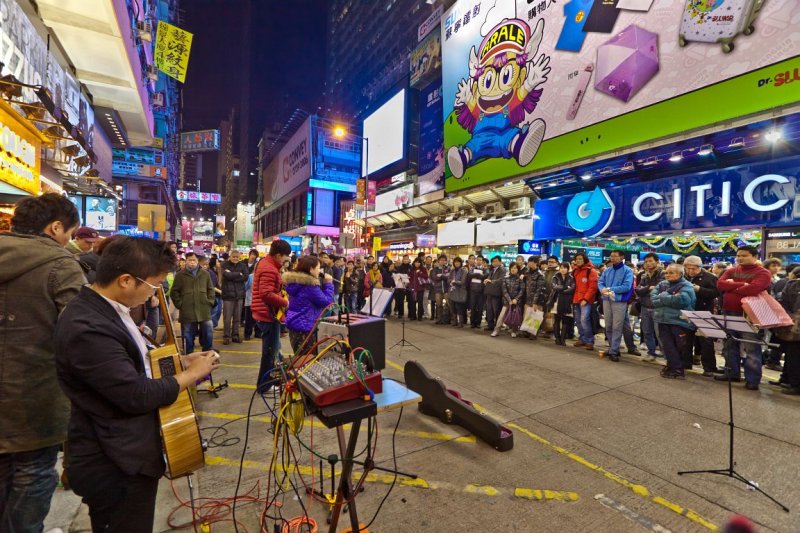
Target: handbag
column 458, row 295
column 532, row 321
column 513, row 318
column 765, row 312
column 549, row 322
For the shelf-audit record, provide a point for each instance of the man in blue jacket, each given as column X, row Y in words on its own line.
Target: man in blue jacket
column 616, row 288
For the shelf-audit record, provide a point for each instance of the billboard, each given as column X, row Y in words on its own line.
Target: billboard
column 198, row 197
column 761, row 194
column 243, row 228
column 292, row 165
column 101, row 213
column 128, row 168
column 529, row 86
column 426, row 59
column 203, row 231
column 431, row 140
column 385, row 131
column 173, row 46
column 400, row 198
column 200, row 141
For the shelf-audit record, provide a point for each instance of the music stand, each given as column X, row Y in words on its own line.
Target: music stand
column 724, row 327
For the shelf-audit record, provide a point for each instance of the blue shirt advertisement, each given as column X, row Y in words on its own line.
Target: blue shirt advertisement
column 572, row 34
column 762, row 194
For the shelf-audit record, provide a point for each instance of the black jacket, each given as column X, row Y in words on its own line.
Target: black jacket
column 708, row 290
column 563, row 289
column 475, row 280
column 234, row 278
column 645, row 283
column 535, row 288
column 115, row 405
column 496, row 277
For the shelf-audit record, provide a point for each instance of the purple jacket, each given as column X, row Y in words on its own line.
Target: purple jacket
column 306, row 300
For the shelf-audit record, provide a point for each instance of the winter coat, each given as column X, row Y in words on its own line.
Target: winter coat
column 37, row 279
column 234, row 277
column 585, row 283
column 513, row 289
column 306, row 300
column 388, row 280
column 475, row 279
column 352, row 281
column 457, row 278
column 337, row 273
column 88, row 261
column 267, row 285
column 248, row 291
column 618, row 279
column 708, row 292
column 670, row 298
column 374, row 279
column 419, row 281
column 535, row 288
column 496, row 276
column 740, row 281
column 193, row 296
column 563, row 288
column 645, row 283
column 440, row 278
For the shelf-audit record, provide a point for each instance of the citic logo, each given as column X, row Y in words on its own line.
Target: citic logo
column 590, row 212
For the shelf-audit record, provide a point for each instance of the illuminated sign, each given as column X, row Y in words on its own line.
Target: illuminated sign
column 200, row 141
column 173, row 46
column 198, row 197
column 128, row 168
column 20, row 149
column 396, row 246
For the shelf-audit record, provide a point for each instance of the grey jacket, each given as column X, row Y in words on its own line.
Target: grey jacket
column 38, row 277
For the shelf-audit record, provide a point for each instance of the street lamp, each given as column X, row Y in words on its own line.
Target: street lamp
column 340, row 132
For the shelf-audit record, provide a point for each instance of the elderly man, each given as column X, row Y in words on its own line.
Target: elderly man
column 670, row 297
column 616, row 288
column 705, row 288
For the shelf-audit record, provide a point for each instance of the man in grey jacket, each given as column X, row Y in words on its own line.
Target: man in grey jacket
column 38, row 277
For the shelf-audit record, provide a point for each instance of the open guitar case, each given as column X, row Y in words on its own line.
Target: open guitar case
column 449, row 407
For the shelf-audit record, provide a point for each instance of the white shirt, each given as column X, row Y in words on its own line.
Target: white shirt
column 125, row 314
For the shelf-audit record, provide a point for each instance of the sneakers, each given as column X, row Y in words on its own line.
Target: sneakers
column 614, row 357
column 527, row 143
column 650, row 358
column 494, row 334
column 513, row 335
column 791, row 391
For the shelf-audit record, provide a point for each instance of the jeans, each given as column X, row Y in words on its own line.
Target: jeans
column 648, row 324
column 676, row 343
column 351, row 301
column 231, row 318
column 476, row 300
column 493, row 305
column 27, row 482
column 249, row 322
column 216, row 311
column 458, row 312
column 438, row 302
column 270, row 350
column 189, row 331
column 615, row 314
column 752, row 358
column 583, row 319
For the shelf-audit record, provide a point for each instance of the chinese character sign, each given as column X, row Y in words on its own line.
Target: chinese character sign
column 173, row 46
column 200, row 141
column 198, row 197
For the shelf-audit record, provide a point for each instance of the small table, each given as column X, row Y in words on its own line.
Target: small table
column 394, row 396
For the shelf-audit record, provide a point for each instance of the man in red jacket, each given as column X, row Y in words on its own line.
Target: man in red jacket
column 747, row 278
column 267, row 301
column 585, row 292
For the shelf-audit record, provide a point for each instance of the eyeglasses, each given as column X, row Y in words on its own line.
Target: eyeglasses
column 154, row 287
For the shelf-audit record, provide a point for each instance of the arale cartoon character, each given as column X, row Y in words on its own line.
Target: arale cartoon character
column 502, row 87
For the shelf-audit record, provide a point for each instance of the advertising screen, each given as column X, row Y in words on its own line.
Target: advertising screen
column 385, row 131
column 291, row 167
column 532, row 85
column 395, row 199
column 203, row 231
column 431, row 141
column 101, row 213
column 456, row 233
column 77, row 201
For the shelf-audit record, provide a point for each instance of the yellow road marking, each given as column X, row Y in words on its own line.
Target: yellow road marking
column 487, row 490
column 240, row 351
column 394, row 365
column 544, row 494
column 241, row 386
column 229, row 365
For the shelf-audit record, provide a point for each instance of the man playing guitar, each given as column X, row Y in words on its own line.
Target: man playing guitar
column 114, row 442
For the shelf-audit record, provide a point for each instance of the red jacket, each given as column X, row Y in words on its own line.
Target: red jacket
column 585, row 283
column 740, row 281
column 267, row 285
column 418, row 280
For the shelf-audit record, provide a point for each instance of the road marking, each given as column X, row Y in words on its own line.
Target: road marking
column 240, row 351
column 241, row 386
column 230, row 365
column 394, row 365
column 541, row 495
column 643, row 521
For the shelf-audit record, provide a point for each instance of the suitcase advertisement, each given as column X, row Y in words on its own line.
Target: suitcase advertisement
column 718, row 21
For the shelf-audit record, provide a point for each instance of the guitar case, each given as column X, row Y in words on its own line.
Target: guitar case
column 449, row 407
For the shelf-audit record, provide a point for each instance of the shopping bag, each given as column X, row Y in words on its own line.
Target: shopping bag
column 532, row 321
column 549, row 321
column 513, row 317
column 765, row 312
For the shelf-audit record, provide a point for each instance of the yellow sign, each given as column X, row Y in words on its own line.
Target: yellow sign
column 376, row 244
column 172, row 50
column 152, row 217
column 20, row 150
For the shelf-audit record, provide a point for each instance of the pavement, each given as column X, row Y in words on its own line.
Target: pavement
column 597, row 447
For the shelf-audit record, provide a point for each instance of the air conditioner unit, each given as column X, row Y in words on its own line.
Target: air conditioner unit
column 158, row 99
column 145, row 31
column 152, row 72
column 495, row 208
column 519, row 204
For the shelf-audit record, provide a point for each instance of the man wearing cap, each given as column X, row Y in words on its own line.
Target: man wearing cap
column 83, row 240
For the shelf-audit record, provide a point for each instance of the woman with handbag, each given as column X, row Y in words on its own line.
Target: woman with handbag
column 417, row 283
column 513, row 293
column 457, row 296
column 563, row 288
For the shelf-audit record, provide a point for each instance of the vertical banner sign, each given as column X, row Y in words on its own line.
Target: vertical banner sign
column 219, row 226
column 431, row 139
column 173, row 46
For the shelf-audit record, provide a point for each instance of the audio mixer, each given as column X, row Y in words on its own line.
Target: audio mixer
column 331, row 380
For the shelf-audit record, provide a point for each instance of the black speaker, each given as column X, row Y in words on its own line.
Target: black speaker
column 361, row 331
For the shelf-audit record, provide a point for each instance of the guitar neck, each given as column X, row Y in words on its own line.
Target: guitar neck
column 162, row 304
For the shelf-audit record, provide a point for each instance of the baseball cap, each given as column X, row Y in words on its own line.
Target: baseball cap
column 86, row 233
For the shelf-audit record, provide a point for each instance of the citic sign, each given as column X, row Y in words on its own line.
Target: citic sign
column 20, row 147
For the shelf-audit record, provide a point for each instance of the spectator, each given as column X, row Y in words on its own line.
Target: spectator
column 234, row 279
column 773, row 264
column 719, row 268
column 337, row 272
column 520, row 262
column 213, row 271
column 493, row 289
column 670, row 297
column 374, row 277
column 83, row 240
column 268, row 301
column 513, row 292
column 439, row 277
column 418, row 282
column 307, row 301
column 535, row 285
column 457, row 296
column 563, row 289
column 475, row 277
column 252, row 260
column 193, row 295
column 585, row 292
column 351, row 282
column 650, row 276
column 747, row 278
column 790, row 337
column 38, row 277
column 616, row 287
column 427, row 299
column 400, row 294
column 705, row 289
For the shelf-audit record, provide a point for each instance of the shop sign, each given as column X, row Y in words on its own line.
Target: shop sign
column 198, row 197
column 761, row 194
column 173, row 46
column 429, row 23
column 20, row 149
column 587, row 81
column 293, row 165
column 243, row 227
column 531, row 247
column 200, row 141
column 400, row 246
column 127, row 168
column 426, row 241
column 456, row 233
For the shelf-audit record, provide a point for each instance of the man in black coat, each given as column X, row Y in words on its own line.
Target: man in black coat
column 113, row 442
column 234, row 279
column 705, row 287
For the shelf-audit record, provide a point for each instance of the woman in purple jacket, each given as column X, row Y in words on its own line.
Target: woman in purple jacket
column 307, row 299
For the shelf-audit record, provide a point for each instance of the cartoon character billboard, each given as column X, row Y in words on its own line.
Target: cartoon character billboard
column 530, row 86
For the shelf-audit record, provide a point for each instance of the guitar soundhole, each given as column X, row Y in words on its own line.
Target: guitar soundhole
column 167, row 366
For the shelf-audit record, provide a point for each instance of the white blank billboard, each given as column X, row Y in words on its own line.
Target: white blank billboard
column 385, row 132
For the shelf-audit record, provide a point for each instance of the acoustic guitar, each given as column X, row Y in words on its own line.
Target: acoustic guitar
column 180, row 432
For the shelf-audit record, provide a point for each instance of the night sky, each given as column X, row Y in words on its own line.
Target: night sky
column 287, row 67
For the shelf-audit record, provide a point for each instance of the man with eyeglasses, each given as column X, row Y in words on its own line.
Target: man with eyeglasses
column 114, row 442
